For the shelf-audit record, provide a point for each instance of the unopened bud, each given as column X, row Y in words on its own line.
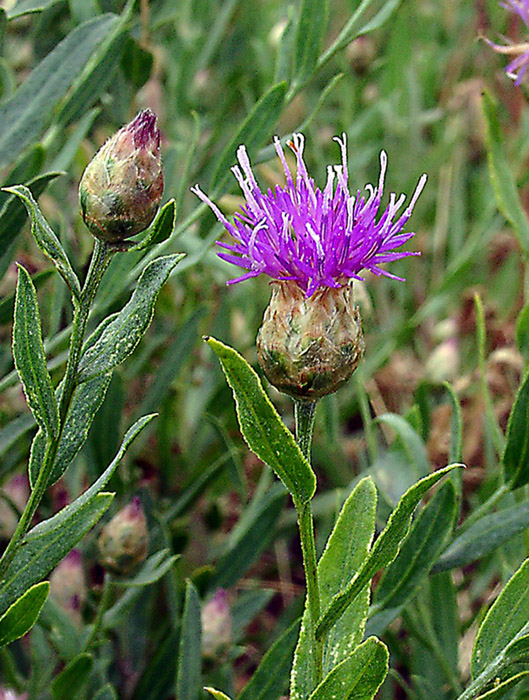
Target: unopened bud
column 17, row 492
column 68, row 584
column 309, row 347
column 122, row 186
column 216, row 625
column 123, row 542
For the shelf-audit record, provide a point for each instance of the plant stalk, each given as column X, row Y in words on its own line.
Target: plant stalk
column 304, row 418
column 98, row 264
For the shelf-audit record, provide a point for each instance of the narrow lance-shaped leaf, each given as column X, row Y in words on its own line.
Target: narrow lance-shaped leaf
column 74, row 675
column 311, row 26
column 121, row 336
column 161, row 229
column 190, row 656
column 505, row 189
column 217, row 694
column 26, row 114
column 22, row 615
column 508, row 615
column 46, row 238
column 85, row 402
column 261, row 426
column 48, row 542
column 30, row 358
column 501, row 689
column 347, row 547
column 359, row 676
column 270, row 678
column 254, row 129
column 419, row 550
column 385, row 548
column 516, row 455
column 484, row 536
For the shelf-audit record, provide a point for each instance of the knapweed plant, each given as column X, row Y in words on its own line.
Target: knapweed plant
column 119, row 194
column 313, row 243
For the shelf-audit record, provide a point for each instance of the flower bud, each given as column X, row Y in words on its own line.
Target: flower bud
column 122, row 186
column 309, row 347
column 216, row 625
column 123, row 542
column 68, row 584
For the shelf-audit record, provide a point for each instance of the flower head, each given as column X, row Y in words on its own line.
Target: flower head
column 122, row 186
column 316, row 238
column 517, row 68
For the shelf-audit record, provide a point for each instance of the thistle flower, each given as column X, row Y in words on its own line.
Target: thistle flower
column 315, row 238
column 312, row 243
column 216, row 625
column 517, row 68
column 68, row 585
column 122, row 186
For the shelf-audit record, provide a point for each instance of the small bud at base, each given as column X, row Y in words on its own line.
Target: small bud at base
column 309, row 347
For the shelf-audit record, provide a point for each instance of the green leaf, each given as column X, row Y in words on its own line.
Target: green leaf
column 157, row 682
column 107, row 692
column 22, row 615
column 45, row 545
column 85, row 402
column 152, row 570
column 26, row 7
column 50, row 541
column 13, row 216
column 359, row 676
column 121, row 336
column 253, row 131
column 503, row 183
column 522, row 331
column 74, row 675
column 346, row 549
column 261, row 426
column 357, row 25
column 250, row 536
column 188, row 679
column 25, row 115
column 411, row 441
column 455, row 453
column 30, row 358
column 516, row 455
column 419, row 550
column 7, row 305
column 385, row 549
column 137, row 63
column 271, row 676
column 506, row 618
column 484, row 536
column 98, row 72
column 64, row 634
column 46, row 238
column 217, row 694
column 310, row 31
column 161, row 229
column 500, row 689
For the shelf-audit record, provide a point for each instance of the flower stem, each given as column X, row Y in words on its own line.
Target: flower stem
column 100, row 260
column 304, row 418
column 101, row 609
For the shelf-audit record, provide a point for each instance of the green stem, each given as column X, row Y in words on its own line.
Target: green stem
column 101, row 609
column 100, row 260
column 304, row 417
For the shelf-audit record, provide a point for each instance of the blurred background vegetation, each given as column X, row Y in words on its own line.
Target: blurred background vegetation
column 412, row 86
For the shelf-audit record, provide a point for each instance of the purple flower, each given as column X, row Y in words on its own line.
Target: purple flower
column 316, row 238
column 517, row 68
